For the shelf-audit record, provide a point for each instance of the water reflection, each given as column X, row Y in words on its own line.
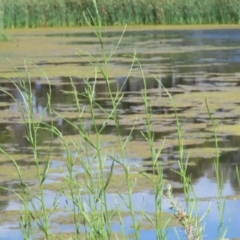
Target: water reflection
column 14, row 133
column 186, row 62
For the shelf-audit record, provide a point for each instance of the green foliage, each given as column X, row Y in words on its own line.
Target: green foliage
column 3, row 37
column 41, row 13
column 228, row 11
column 1, row 17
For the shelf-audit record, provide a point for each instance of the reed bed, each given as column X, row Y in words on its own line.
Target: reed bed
column 3, row 37
column 55, row 13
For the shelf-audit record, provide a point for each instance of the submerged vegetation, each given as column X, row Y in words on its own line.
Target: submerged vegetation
column 44, row 13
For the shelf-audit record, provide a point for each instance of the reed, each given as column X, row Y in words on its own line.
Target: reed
column 219, row 179
column 1, row 18
column 3, row 37
column 41, row 13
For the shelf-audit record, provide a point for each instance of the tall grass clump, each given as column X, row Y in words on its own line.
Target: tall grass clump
column 187, row 216
column 42, row 13
column 188, row 12
column 3, row 37
column 16, row 14
column 72, row 10
column 228, row 11
column 1, row 19
column 219, row 179
column 34, row 213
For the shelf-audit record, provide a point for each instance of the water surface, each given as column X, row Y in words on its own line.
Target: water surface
column 193, row 64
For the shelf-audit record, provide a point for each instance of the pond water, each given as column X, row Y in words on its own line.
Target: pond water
column 194, row 64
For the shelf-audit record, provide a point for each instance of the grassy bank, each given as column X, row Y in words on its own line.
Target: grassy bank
column 44, row 13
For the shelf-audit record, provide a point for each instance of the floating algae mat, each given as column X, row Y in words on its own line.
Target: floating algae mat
column 196, row 66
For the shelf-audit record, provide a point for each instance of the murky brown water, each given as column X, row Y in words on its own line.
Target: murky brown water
column 193, row 64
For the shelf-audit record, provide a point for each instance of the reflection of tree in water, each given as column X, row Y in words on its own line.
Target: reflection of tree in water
column 229, row 162
column 61, row 100
column 61, row 93
column 15, row 137
column 4, row 193
column 3, row 203
column 204, row 168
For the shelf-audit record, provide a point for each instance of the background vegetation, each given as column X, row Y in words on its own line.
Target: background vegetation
column 3, row 37
column 44, row 13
